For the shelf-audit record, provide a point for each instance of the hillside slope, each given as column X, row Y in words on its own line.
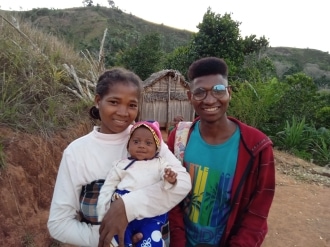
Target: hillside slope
column 83, row 28
column 313, row 63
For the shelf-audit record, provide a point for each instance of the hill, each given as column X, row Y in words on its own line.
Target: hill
column 83, row 28
column 313, row 63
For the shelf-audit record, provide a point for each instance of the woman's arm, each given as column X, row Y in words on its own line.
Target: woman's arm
column 63, row 224
column 108, row 188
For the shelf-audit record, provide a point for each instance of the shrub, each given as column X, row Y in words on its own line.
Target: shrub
column 305, row 141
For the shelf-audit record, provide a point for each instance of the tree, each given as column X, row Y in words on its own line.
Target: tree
column 219, row 36
column 253, row 45
column 180, row 59
column 299, row 99
column 251, row 101
column 323, row 109
column 87, row 3
column 111, row 3
column 256, row 68
column 145, row 58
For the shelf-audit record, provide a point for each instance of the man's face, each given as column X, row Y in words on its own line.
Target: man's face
column 210, row 96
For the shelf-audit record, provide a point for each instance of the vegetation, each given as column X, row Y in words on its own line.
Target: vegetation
column 288, row 112
column 2, row 155
column 34, row 84
column 28, row 240
column 218, row 36
column 83, row 28
column 305, row 141
column 145, row 58
column 314, row 63
column 46, row 84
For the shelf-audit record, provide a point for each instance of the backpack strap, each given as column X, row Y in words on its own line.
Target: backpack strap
column 181, row 137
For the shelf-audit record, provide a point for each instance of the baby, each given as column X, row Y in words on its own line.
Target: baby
column 142, row 168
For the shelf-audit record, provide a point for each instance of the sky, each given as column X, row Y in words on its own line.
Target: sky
column 289, row 23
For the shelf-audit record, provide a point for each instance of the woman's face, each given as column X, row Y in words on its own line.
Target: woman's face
column 142, row 144
column 118, row 108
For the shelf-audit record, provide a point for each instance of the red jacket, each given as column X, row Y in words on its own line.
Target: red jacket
column 252, row 192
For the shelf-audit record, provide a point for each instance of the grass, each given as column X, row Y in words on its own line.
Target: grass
column 2, row 157
column 305, row 141
column 55, row 243
column 294, row 136
column 36, row 89
column 28, row 240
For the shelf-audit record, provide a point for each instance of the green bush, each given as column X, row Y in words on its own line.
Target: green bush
column 251, row 102
column 321, row 147
column 305, row 141
column 323, row 116
column 295, row 136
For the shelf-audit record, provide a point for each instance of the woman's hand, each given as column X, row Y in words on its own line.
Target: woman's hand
column 115, row 223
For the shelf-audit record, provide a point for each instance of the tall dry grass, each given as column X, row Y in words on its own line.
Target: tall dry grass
column 45, row 84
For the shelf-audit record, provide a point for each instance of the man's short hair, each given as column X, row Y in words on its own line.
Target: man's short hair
column 208, row 66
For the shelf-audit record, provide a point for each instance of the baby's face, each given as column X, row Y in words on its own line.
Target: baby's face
column 142, row 144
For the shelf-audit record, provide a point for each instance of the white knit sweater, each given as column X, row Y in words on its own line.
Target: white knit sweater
column 140, row 174
column 90, row 158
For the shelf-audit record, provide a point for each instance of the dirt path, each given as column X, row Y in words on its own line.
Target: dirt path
column 300, row 214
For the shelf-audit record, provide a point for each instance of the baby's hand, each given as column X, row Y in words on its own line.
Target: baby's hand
column 170, row 176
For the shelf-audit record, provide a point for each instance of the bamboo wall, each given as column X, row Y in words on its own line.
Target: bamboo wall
column 165, row 99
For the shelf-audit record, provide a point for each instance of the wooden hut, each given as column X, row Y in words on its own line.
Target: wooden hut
column 164, row 97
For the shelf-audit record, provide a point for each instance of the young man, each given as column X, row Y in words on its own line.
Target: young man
column 231, row 166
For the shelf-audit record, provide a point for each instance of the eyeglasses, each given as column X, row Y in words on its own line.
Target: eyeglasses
column 217, row 91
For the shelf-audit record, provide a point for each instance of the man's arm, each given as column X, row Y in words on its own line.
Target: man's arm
column 175, row 216
column 177, row 229
column 253, row 227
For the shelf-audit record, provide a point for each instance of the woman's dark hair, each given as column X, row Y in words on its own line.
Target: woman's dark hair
column 207, row 66
column 109, row 79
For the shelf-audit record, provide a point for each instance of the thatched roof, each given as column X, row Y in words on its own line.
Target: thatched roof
column 167, row 72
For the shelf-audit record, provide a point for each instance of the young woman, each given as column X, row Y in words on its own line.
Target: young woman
column 87, row 161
